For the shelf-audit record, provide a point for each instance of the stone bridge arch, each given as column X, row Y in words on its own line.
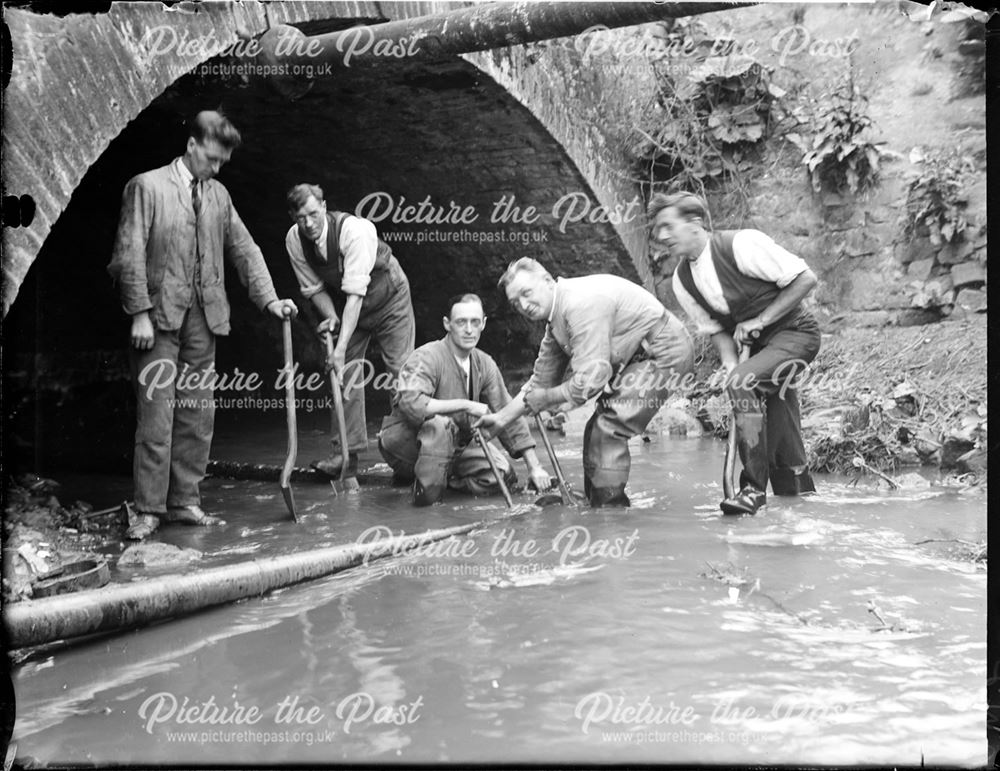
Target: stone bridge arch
column 80, row 84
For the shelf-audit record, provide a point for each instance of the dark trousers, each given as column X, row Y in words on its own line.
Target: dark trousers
column 394, row 329
column 629, row 403
column 175, row 414
column 436, row 456
column 766, row 406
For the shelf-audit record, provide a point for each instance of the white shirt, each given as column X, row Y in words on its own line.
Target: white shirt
column 358, row 242
column 466, row 365
column 187, row 176
column 756, row 255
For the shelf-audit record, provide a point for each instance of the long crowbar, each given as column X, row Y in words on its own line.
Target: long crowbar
column 729, row 465
column 293, row 437
column 569, row 496
column 346, row 484
column 493, row 467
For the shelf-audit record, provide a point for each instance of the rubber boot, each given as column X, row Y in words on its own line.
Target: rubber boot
column 792, row 481
column 607, row 496
column 436, row 442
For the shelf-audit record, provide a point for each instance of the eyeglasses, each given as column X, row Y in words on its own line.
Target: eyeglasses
column 470, row 323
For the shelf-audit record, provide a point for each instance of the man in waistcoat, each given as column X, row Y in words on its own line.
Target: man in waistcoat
column 176, row 225
column 443, row 387
column 355, row 282
column 743, row 289
column 619, row 341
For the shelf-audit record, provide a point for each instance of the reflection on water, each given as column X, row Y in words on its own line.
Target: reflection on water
column 555, row 634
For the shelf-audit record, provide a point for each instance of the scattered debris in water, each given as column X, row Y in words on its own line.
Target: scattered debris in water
column 542, row 577
column 155, row 554
column 967, row 551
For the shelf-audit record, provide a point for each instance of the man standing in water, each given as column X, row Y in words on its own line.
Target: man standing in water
column 176, row 225
column 443, row 386
column 743, row 289
column 341, row 263
column 619, row 341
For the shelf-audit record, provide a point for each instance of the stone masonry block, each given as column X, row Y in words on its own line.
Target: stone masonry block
column 972, row 300
column 920, row 269
column 968, row 274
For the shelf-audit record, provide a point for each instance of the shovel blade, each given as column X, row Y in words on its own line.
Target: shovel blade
column 286, row 492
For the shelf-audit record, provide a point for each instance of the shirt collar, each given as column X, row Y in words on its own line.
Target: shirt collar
column 555, row 294
column 706, row 253
column 183, row 170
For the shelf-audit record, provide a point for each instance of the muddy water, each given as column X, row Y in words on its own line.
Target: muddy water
column 555, row 634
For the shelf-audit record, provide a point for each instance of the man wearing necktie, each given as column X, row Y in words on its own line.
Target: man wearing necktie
column 444, row 386
column 177, row 224
column 356, row 284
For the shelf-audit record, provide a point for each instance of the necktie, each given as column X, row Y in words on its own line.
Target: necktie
column 196, row 197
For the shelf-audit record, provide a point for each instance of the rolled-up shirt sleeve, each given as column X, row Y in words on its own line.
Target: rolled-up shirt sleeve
column 309, row 282
column 359, row 244
column 704, row 323
column 757, row 255
column 416, row 385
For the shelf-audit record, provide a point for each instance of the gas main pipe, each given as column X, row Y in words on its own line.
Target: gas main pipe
column 481, row 27
column 124, row 606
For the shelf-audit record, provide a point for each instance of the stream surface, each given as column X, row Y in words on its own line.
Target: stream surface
column 554, row 635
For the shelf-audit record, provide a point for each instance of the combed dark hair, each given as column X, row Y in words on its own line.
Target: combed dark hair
column 524, row 263
column 213, row 125
column 298, row 195
column 688, row 206
column 468, row 297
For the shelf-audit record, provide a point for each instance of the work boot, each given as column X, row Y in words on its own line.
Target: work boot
column 792, row 481
column 747, row 501
column 191, row 515
column 333, row 465
column 425, row 496
column 608, row 496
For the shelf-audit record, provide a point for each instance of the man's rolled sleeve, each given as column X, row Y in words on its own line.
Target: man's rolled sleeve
column 757, row 255
column 704, row 323
column 128, row 260
column 359, row 244
column 248, row 260
column 414, row 389
column 309, row 282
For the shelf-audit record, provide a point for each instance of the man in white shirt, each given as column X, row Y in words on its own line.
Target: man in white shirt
column 355, row 282
column 444, row 386
column 619, row 341
column 743, row 289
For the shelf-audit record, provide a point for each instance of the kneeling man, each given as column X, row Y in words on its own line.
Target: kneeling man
column 442, row 387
